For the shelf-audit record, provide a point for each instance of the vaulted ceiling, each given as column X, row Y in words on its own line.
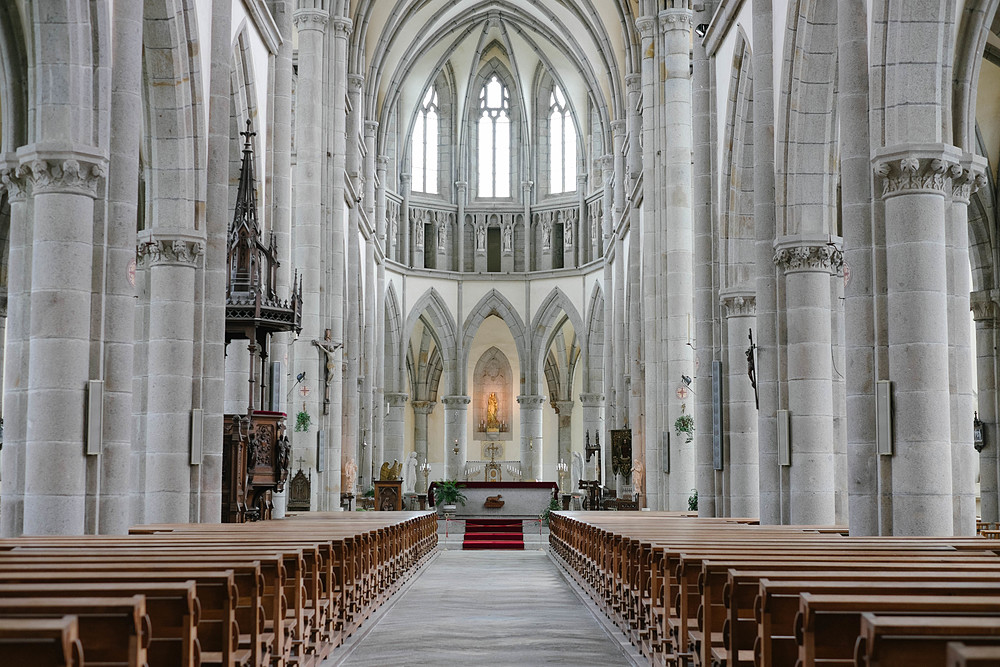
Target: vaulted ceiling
column 400, row 46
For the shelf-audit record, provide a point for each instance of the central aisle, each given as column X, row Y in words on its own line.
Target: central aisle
column 486, row 608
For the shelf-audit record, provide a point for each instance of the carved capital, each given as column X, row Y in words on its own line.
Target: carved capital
column 14, row 182
column 633, row 83
column 646, row 25
column 354, row 83
column 455, row 402
column 983, row 304
column 921, row 169
column 75, row 172
column 342, row 27
column 395, row 399
column 809, row 257
column 563, row 408
column 423, row 407
column 618, row 126
column 381, row 164
column 592, row 400
column 169, row 249
column 967, row 178
column 310, row 18
column 675, row 19
column 371, row 126
column 529, row 402
column 740, row 304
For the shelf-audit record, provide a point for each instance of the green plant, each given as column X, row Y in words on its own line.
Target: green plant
column 553, row 507
column 370, row 493
column 693, row 501
column 302, row 421
column 449, row 492
column 685, row 425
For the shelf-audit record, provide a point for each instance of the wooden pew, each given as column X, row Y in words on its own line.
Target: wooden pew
column 44, row 642
column 965, row 655
column 113, row 632
column 918, row 641
column 827, row 626
column 172, row 608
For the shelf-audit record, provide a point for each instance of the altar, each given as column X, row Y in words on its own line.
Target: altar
column 526, row 500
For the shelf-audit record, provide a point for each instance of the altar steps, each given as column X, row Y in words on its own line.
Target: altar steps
column 494, row 534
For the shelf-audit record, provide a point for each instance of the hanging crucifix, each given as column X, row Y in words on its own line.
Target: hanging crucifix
column 327, row 347
column 752, row 368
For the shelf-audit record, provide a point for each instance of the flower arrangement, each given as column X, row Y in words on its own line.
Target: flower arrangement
column 685, row 424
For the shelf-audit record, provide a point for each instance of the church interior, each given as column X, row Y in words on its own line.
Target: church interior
column 325, row 283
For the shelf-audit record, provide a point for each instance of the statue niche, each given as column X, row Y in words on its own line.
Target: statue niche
column 492, row 396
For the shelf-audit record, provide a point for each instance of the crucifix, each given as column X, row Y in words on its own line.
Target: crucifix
column 327, row 347
column 300, row 461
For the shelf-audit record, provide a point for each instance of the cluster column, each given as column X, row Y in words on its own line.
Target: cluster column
column 421, row 409
column 593, row 423
column 984, row 311
column 394, row 427
column 565, row 411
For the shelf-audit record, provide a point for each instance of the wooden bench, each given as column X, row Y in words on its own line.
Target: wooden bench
column 41, row 641
column 827, row 626
column 960, row 654
column 918, row 641
column 113, row 632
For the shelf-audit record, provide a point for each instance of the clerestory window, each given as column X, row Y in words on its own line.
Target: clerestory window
column 494, row 139
column 424, row 145
column 562, row 144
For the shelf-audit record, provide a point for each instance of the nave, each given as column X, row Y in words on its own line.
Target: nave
column 486, row 608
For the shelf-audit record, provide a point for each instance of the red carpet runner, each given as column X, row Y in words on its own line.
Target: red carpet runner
column 493, row 534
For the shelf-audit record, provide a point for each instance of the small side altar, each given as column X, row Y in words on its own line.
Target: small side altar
column 520, row 499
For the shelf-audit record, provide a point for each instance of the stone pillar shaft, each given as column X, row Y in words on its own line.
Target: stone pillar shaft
column 63, row 188
column 531, row 436
column 455, row 410
column 741, row 415
column 564, row 409
column 461, row 192
column 395, row 424
column 915, row 180
column 421, row 409
column 984, row 312
column 593, row 423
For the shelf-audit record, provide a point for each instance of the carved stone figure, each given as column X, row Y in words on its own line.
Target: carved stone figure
column 410, row 473
column 491, row 412
column 577, row 470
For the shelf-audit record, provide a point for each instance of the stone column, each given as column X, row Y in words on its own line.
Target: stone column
column 807, row 264
column 353, row 306
column 564, row 409
column 526, row 187
column 764, row 228
column 593, row 423
column 405, row 251
column 120, row 294
column 984, row 312
column 421, row 409
column 461, row 192
column 633, row 168
column 378, row 400
column 859, row 311
column 678, row 243
column 16, row 351
column 741, row 422
column 582, row 242
column 622, row 366
column 531, row 436
column 966, row 179
column 618, row 128
column 310, row 23
column 706, row 291
column 395, row 423
column 915, row 180
column 172, row 260
column 63, row 186
column 455, row 410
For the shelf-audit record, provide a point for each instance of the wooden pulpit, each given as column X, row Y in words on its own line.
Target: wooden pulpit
column 389, row 495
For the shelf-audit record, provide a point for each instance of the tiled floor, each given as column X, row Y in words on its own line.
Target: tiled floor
column 486, row 608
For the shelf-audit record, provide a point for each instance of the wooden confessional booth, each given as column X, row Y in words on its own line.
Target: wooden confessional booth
column 256, row 451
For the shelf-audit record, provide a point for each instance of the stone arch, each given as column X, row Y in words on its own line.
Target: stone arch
column 738, row 235
column 982, row 223
column 14, row 89
column 493, row 303
column 545, row 324
column 807, row 156
column 593, row 377
column 174, row 120
column 393, row 344
column 431, row 308
column 243, row 107
column 971, row 42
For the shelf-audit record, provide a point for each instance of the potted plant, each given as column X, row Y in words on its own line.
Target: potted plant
column 685, row 425
column 447, row 493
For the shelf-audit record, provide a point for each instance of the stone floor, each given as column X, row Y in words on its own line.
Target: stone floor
column 487, row 608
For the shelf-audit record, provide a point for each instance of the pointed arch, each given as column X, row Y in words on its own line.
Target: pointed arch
column 393, row 344
column 738, row 236
column 807, row 156
column 494, row 303
column 547, row 321
column 431, row 308
column 593, row 377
